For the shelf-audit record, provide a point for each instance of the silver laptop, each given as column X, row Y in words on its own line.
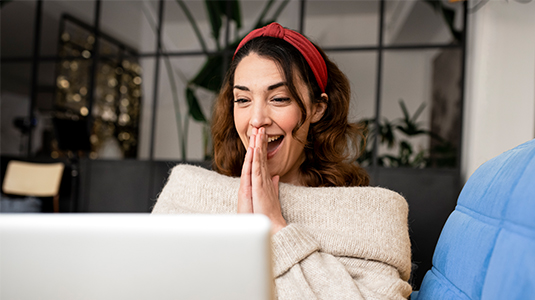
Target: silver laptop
column 134, row 256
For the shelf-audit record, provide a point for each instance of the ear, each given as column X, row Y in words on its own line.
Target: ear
column 320, row 108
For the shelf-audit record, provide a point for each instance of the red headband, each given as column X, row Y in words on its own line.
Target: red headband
column 307, row 49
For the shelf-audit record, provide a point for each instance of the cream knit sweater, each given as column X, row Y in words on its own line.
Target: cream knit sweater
column 340, row 242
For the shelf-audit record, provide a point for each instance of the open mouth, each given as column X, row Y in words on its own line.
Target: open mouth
column 273, row 145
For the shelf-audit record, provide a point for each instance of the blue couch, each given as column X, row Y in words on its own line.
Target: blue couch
column 487, row 247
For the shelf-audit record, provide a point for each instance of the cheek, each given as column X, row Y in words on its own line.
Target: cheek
column 289, row 119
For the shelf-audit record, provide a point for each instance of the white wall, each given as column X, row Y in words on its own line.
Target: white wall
column 500, row 83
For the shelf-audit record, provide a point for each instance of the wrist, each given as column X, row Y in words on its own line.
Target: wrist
column 276, row 227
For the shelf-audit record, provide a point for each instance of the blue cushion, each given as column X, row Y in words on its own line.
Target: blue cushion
column 487, row 247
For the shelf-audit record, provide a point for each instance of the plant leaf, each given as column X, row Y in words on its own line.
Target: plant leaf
column 210, row 76
column 405, row 152
column 217, row 9
column 235, row 11
column 449, row 17
column 195, row 110
column 418, row 112
column 279, row 10
column 214, row 15
column 404, row 110
column 259, row 22
column 392, row 160
column 193, row 23
column 411, row 130
column 419, row 160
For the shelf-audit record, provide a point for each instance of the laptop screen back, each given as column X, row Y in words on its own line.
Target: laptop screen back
column 135, row 256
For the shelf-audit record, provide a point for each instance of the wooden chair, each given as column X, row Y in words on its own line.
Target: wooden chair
column 34, row 179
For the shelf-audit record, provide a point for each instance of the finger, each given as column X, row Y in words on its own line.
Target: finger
column 262, row 186
column 245, row 204
column 262, row 140
column 245, row 194
column 252, row 138
column 246, row 168
column 264, row 143
column 263, row 164
column 257, row 155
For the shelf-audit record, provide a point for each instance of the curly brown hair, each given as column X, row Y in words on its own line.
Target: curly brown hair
column 332, row 144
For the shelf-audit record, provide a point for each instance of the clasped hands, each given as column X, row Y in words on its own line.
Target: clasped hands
column 259, row 192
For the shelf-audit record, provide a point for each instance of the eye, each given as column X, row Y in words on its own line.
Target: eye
column 281, row 100
column 240, row 100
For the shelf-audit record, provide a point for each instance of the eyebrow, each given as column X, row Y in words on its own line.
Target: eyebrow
column 271, row 87
column 276, row 85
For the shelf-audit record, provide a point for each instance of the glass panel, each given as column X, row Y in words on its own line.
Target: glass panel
column 44, row 107
column 47, row 74
column 289, row 16
column 14, row 107
column 342, row 23
column 115, row 109
column 418, row 22
column 170, row 117
column 360, row 69
column 51, row 19
column 17, row 36
column 147, row 65
column 144, row 38
column 174, row 127
column 420, row 108
column 178, row 33
column 284, row 12
column 64, row 81
column 129, row 23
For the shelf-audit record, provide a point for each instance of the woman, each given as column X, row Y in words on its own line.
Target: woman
column 280, row 125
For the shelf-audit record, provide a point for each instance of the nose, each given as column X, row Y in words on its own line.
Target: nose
column 260, row 115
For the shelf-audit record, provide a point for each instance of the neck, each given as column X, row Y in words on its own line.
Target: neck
column 295, row 176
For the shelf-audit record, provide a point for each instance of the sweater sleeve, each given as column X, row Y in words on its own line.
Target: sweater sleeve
column 302, row 271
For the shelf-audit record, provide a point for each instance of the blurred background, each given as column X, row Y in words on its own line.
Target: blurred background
column 121, row 91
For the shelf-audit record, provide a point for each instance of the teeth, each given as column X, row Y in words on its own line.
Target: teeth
column 273, row 138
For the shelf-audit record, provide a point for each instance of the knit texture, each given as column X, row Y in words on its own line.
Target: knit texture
column 340, row 242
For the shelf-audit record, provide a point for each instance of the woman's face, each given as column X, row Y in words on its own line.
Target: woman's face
column 262, row 99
